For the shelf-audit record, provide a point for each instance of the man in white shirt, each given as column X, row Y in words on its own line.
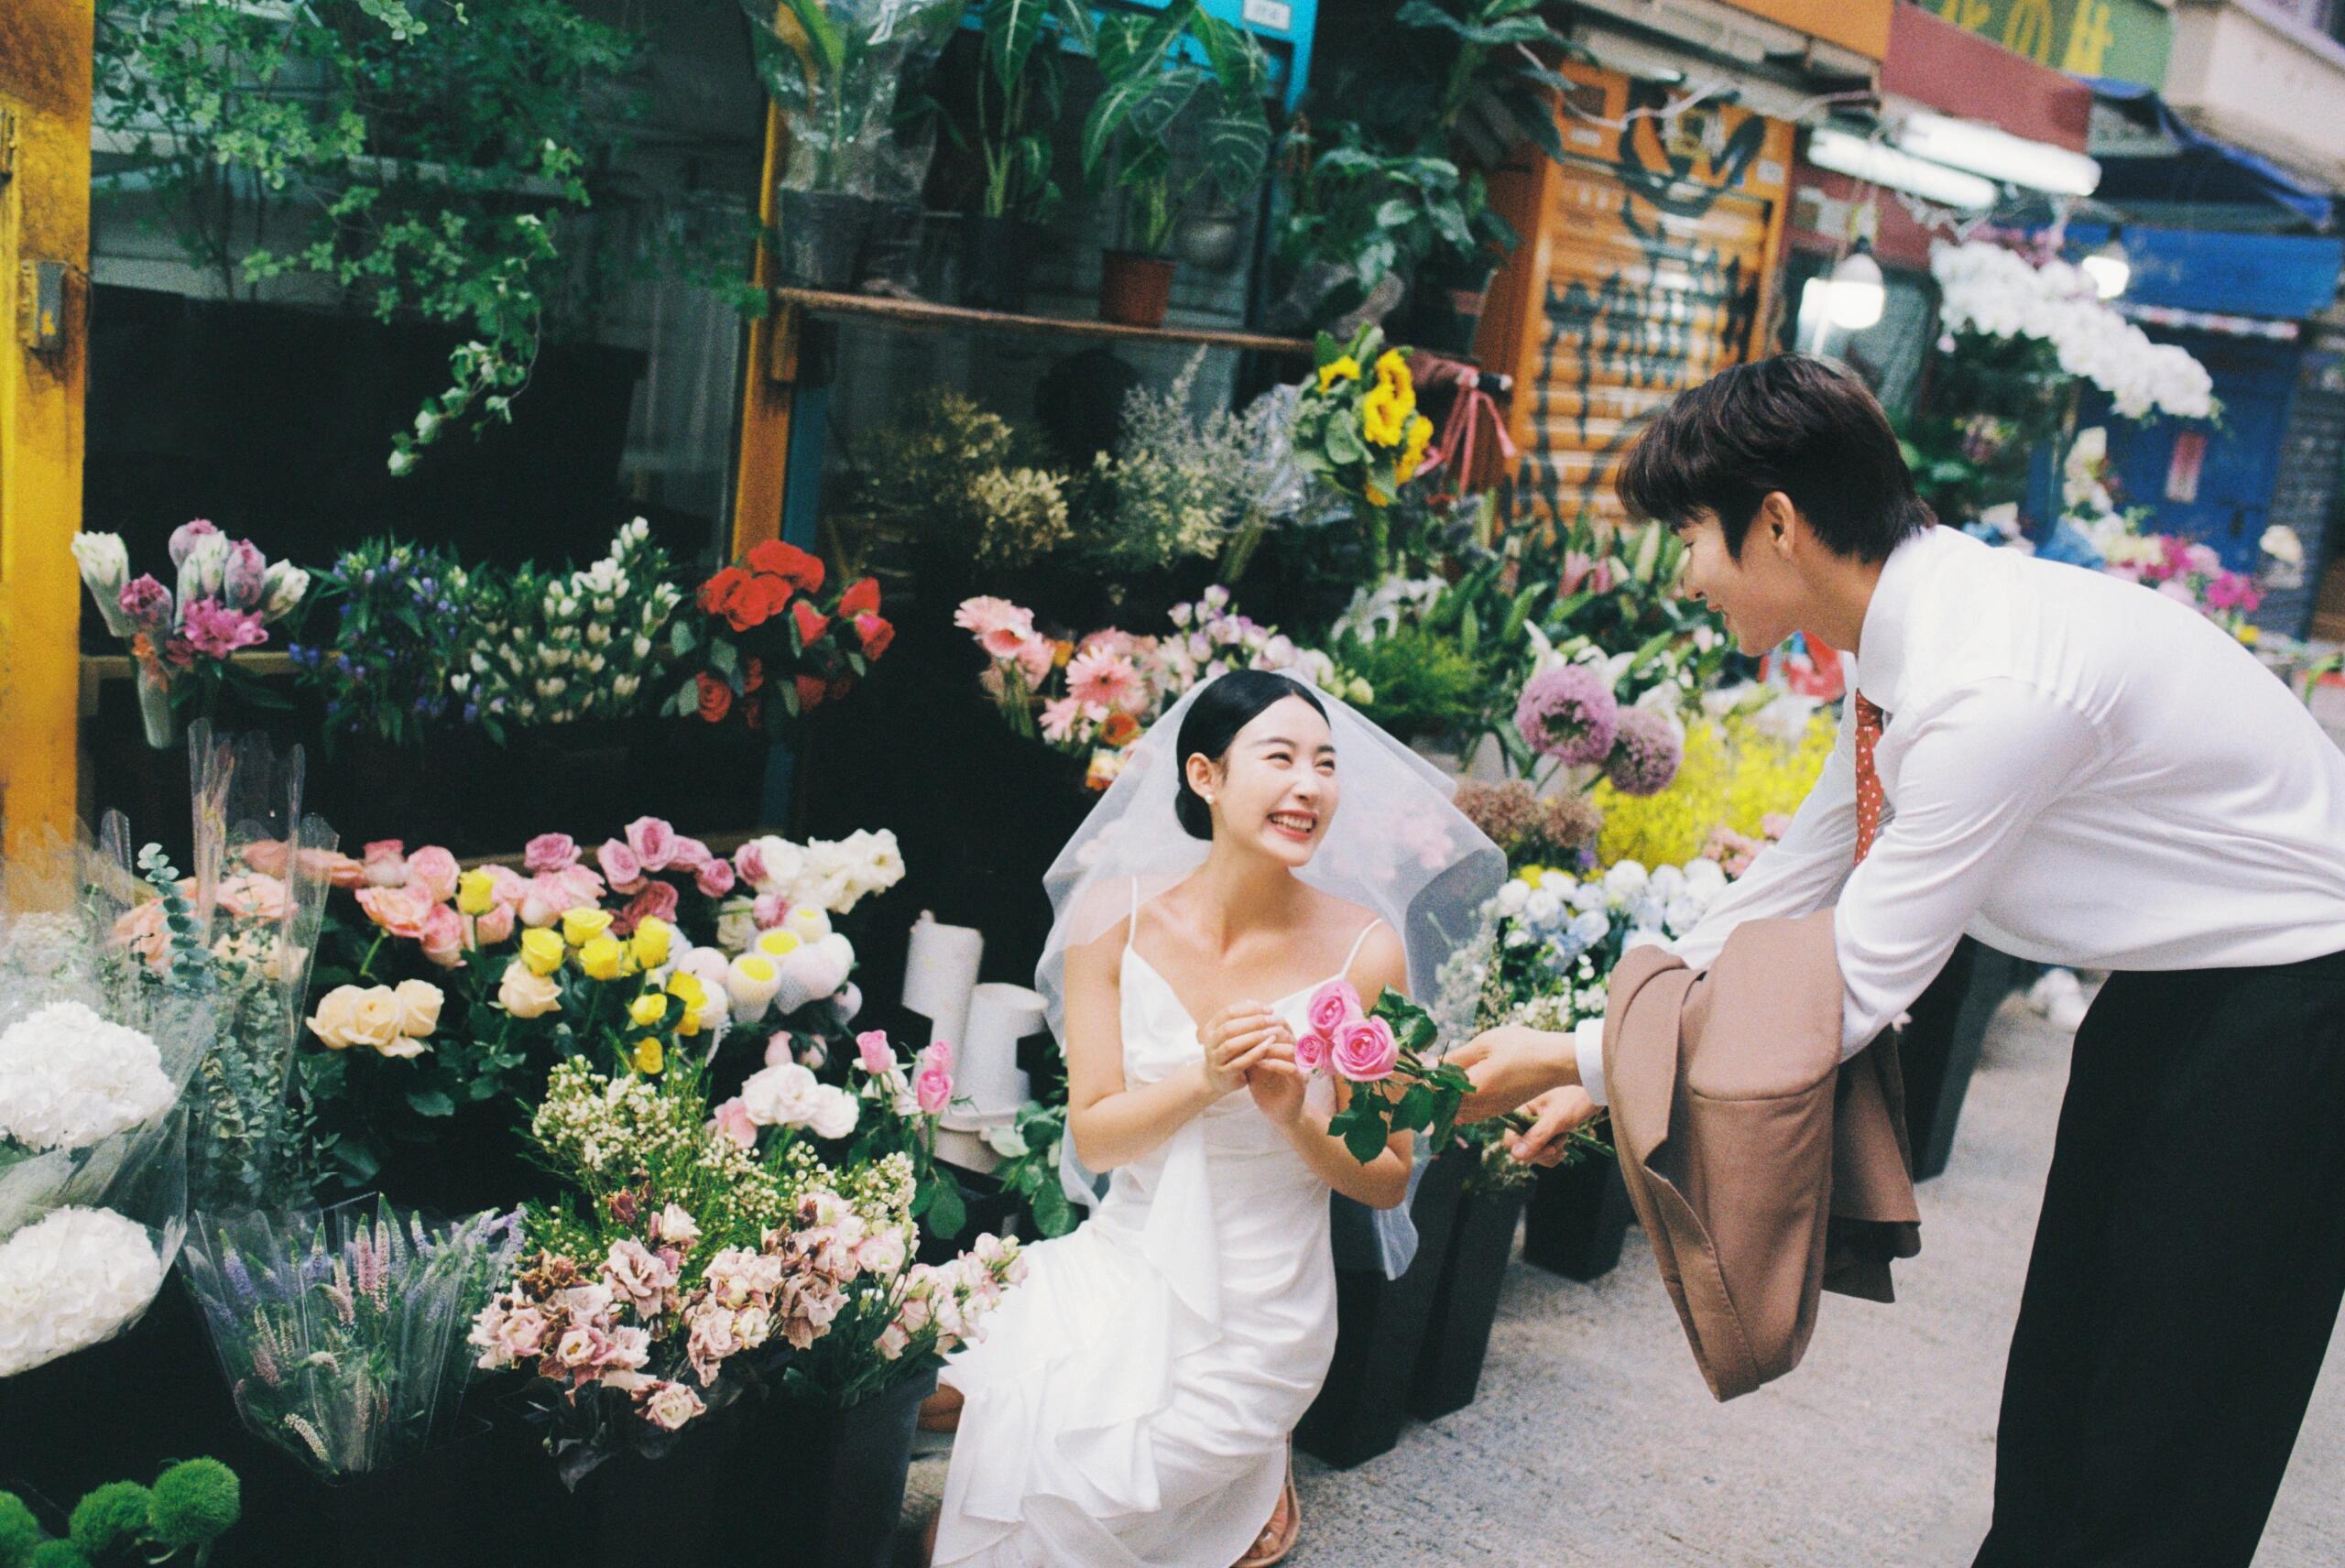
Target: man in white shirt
column 2077, row 770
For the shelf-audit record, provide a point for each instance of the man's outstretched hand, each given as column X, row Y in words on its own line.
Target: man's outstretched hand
column 1556, row 1114
column 1511, row 1064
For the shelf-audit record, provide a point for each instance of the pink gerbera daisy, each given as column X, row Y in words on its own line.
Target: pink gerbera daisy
column 1107, row 679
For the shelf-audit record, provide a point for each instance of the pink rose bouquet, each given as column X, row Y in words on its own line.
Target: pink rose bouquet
column 1383, row 1058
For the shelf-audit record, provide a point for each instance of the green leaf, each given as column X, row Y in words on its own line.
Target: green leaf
column 1365, row 1138
column 948, row 1214
column 823, row 37
column 430, row 1103
column 1010, row 28
column 1052, row 1213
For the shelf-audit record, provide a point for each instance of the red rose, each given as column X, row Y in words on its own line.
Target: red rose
column 759, row 600
column 753, row 674
column 861, row 597
column 718, row 591
column 715, row 698
column 804, row 572
column 841, row 687
column 809, row 692
column 812, row 622
column 875, row 632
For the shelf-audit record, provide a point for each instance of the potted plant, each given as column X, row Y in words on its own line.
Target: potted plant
column 1466, row 1298
column 1163, row 127
column 1016, row 93
column 835, row 67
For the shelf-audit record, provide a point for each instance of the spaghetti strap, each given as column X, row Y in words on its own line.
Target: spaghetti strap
column 1358, row 942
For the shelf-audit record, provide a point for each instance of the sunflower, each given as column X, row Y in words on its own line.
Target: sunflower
column 1413, row 454
column 1383, row 415
column 1344, row 370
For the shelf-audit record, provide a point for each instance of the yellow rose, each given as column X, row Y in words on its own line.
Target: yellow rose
column 583, row 925
column 778, row 943
column 1344, row 370
column 476, row 893
column 602, row 957
column 419, row 1007
column 526, row 993
column 650, row 941
column 541, row 950
column 335, row 1011
column 648, row 1057
column 648, row 1010
column 375, row 1019
column 687, row 989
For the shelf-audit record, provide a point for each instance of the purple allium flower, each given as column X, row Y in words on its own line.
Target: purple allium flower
column 1645, row 753
column 1569, row 713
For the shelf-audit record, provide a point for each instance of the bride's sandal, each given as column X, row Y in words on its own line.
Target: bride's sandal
column 1278, row 1536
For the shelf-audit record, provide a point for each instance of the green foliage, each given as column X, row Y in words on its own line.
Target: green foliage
column 194, row 1503
column 837, row 71
column 1018, row 91
column 1166, row 125
column 19, row 1531
column 432, row 150
column 1426, row 684
column 114, row 1516
column 1032, row 1170
column 384, row 660
column 58, row 1554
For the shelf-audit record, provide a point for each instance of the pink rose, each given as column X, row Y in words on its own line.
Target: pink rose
column 509, row 886
column 688, row 855
column 935, row 1089
column 495, row 928
column 657, row 898
column 551, row 852
column 1311, row 1051
column 939, row 1055
column 621, row 865
column 1364, row 1051
column 770, row 909
column 432, row 871
column 1333, row 1006
column 653, row 841
column 872, row 1049
column 183, row 538
column 579, row 885
column 542, row 903
column 398, row 911
column 749, row 862
column 777, row 1051
column 386, row 862
column 581, row 1347
column 444, row 935
column 713, row 876
column 733, row 1120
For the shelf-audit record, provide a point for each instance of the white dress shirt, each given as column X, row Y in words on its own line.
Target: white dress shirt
column 2080, row 771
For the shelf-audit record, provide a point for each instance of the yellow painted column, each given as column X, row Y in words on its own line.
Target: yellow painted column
column 44, row 293
column 761, row 464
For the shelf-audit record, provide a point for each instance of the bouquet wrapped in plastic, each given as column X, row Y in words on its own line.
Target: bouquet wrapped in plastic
column 341, row 1331
column 93, row 1151
column 242, row 929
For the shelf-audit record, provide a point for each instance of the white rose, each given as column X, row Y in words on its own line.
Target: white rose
column 1542, row 906
column 832, row 1114
column 779, row 1096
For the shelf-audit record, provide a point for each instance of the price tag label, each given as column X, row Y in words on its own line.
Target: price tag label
column 1273, row 14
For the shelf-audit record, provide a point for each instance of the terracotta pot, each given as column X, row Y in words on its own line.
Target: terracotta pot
column 1135, row 289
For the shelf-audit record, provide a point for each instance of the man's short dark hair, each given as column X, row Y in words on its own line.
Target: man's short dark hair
column 1794, row 423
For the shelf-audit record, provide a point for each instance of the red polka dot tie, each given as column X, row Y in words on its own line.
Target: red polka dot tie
column 1870, row 799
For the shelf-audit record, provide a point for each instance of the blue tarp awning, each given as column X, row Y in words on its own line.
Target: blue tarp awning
column 2201, row 168
column 2278, row 277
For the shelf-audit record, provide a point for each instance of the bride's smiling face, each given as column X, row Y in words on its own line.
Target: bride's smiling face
column 1275, row 789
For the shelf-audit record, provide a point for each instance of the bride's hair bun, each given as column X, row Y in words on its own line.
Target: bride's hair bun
column 1228, row 704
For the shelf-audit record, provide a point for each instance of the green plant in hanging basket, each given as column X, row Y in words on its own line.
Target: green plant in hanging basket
column 1182, row 110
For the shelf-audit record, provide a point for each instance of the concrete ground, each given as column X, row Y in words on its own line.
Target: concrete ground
column 1594, row 1441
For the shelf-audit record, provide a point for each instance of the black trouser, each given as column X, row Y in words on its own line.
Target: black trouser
column 2186, row 1272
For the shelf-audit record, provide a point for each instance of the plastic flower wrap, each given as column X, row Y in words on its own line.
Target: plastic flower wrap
column 92, row 1144
column 183, row 635
column 341, row 1331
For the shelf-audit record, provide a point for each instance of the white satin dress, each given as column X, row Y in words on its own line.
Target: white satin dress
column 1130, row 1402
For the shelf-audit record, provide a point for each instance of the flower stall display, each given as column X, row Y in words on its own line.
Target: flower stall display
column 540, row 647
column 765, row 619
column 386, row 663
column 1750, row 757
column 690, row 1264
column 191, row 1505
column 1183, row 485
column 184, row 636
column 1097, row 696
column 343, row 1332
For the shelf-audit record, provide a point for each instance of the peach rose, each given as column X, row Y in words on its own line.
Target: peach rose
column 433, row 871
column 495, row 928
column 398, row 911
column 375, row 1018
column 419, row 1007
column 526, row 994
column 443, row 935
column 385, row 864
column 337, row 1011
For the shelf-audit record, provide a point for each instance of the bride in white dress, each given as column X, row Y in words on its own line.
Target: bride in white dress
column 1131, row 1402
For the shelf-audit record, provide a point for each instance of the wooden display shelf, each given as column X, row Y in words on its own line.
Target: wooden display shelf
column 921, row 313
column 99, row 668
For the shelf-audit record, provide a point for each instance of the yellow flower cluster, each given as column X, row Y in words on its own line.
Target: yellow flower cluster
column 1388, row 407
column 529, row 990
column 1345, row 368
column 1732, row 775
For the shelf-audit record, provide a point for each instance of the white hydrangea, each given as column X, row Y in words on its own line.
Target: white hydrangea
column 69, row 1078
column 71, row 1280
